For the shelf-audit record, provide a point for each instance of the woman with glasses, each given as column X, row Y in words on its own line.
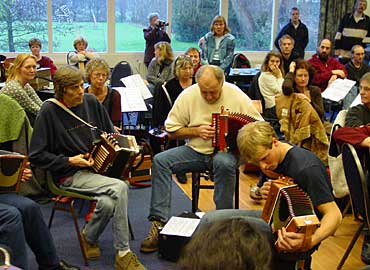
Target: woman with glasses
column 17, row 86
column 97, row 74
column 218, row 45
column 160, row 68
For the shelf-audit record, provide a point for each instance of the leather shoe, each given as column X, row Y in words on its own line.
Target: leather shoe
column 65, row 266
column 181, row 177
column 365, row 253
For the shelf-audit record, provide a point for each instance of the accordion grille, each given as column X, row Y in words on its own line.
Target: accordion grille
column 101, row 155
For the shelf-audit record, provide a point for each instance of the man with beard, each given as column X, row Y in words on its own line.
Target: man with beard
column 327, row 68
column 353, row 30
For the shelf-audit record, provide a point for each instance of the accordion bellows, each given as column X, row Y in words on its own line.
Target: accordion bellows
column 114, row 154
column 227, row 126
column 289, row 206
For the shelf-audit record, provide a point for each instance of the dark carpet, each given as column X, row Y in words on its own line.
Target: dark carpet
column 68, row 248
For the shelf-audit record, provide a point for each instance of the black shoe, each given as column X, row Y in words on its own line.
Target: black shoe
column 182, row 178
column 365, row 253
column 65, row 266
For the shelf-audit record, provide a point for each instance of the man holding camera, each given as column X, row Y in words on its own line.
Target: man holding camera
column 153, row 34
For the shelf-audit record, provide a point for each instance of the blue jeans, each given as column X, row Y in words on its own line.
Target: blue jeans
column 111, row 196
column 286, row 261
column 184, row 159
column 21, row 221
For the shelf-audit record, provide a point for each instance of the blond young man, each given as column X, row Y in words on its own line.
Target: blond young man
column 264, row 148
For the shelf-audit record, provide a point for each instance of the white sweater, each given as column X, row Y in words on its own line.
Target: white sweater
column 270, row 86
column 191, row 110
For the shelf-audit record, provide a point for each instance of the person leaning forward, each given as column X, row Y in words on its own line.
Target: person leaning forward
column 309, row 173
column 60, row 143
column 191, row 118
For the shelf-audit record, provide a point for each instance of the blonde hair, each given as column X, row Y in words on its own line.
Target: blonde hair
column 96, row 64
column 165, row 51
column 253, row 139
column 220, row 18
column 180, row 62
column 18, row 63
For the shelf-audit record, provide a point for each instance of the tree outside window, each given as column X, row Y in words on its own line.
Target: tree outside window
column 191, row 20
column 309, row 11
column 21, row 20
column 132, row 18
column 251, row 23
column 72, row 18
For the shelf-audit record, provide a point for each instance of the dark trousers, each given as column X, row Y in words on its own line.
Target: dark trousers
column 21, row 221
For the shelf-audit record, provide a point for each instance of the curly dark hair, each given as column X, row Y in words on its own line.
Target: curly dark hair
column 227, row 244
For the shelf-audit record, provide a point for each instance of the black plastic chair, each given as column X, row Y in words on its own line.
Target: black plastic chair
column 356, row 177
column 121, row 70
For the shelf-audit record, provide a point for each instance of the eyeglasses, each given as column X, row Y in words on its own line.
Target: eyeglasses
column 98, row 75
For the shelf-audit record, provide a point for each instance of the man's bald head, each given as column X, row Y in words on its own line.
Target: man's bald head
column 210, row 80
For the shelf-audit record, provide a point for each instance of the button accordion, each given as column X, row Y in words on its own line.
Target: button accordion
column 11, row 169
column 289, row 206
column 227, row 126
column 114, row 154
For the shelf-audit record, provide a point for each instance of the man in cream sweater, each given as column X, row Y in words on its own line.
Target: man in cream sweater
column 191, row 118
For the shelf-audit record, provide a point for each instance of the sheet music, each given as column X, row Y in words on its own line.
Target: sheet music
column 338, row 89
column 356, row 101
column 131, row 99
column 180, row 226
column 137, row 82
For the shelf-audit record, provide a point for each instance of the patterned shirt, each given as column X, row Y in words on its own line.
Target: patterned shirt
column 25, row 96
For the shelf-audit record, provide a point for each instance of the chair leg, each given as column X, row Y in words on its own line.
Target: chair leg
column 348, row 250
column 130, row 229
column 79, row 236
column 52, row 215
column 195, row 181
column 236, row 195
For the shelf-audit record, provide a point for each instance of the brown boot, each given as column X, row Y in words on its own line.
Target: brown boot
column 92, row 251
column 150, row 243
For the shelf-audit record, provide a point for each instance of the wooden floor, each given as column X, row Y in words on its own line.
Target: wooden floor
column 330, row 251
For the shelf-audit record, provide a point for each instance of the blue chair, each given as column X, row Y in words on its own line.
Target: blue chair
column 356, row 177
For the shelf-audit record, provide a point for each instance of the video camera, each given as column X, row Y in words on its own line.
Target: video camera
column 161, row 24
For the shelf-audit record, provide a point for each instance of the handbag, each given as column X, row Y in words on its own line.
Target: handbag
column 335, row 161
column 6, row 265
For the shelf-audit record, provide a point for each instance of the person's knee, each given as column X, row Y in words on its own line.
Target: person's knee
column 11, row 220
column 105, row 204
column 224, row 161
column 122, row 188
column 29, row 209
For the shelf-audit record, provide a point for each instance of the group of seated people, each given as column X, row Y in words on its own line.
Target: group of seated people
column 186, row 94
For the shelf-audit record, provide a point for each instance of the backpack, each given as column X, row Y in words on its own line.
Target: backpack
column 240, row 61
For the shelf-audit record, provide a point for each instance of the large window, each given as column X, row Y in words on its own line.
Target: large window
column 132, row 18
column 86, row 18
column 309, row 14
column 20, row 21
column 191, row 20
column 58, row 22
column 251, row 24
